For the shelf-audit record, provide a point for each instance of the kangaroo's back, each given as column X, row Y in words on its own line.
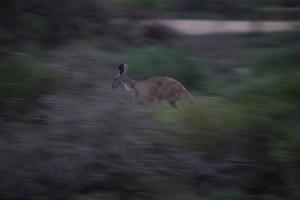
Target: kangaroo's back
column 160, row 88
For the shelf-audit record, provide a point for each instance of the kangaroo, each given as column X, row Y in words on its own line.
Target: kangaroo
column 155, row 88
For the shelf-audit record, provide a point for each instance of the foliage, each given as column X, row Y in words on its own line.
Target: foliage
column 21, row 82
column 211, row 125
column 271, row 197
column 273, row 115
column 261, row 117
column 162, row 61
column 45, row 22
column 229, row 194
column 282, row 62
column 279, row 39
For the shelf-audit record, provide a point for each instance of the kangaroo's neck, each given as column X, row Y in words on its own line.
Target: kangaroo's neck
column 129, row 85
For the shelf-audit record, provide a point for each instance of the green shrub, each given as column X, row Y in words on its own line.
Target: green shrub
column 156, row 60
column 46, row 22
column 229, row 194
column 285, row 60
column 278, row 39
column 210, row 126
column 264, row 118
column 21, row 82
column 285, row 151
column 275, row 92
column 260, row 123
column 272, row 107
column 271, row 197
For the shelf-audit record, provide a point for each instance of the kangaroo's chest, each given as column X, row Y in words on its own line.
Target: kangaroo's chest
column 129, row 89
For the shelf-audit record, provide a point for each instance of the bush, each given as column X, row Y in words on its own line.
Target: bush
column 229, row 194
column 260, row 123
column 279, row 39
column 284, row 60
column 45, row 22
column 211, row 126
column 271, row 197
column 21, row 82
column 272, row 107
column 161, row 61
column 278, row 84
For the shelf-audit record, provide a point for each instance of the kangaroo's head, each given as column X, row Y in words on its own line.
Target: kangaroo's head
column 118, row 79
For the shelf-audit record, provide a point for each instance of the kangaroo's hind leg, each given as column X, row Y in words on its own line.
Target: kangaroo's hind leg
column 173, row 102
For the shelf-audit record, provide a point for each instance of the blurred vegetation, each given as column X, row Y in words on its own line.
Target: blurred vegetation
column 54, row 22
column 22, row 80
column 240, row 143
column 164, row 61
column 49, row 22
column 82, row 140
column 213, row 125
column 259, row 122
column 229, row 194
column 217, row 9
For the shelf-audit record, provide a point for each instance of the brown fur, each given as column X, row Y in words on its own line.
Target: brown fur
column 155, row 88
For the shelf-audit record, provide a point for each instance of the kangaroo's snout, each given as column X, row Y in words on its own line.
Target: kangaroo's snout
column 114, row 86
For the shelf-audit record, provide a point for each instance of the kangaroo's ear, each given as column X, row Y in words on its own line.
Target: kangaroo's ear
column 123, row 68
